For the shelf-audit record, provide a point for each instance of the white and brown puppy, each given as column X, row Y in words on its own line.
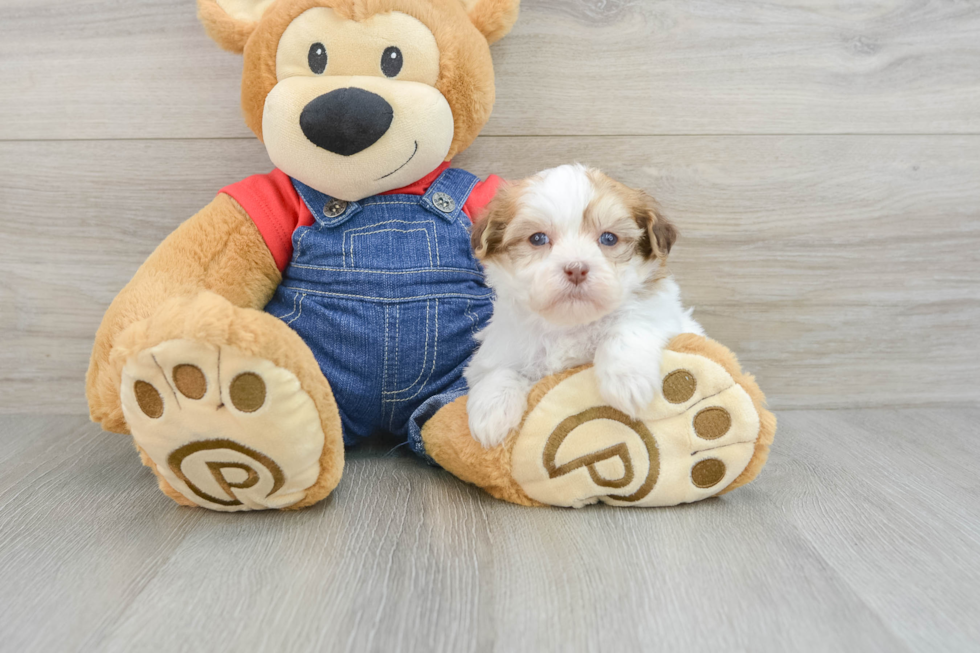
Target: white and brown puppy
column 577, row 261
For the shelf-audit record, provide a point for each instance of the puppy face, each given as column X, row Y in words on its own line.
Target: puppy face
column 572, row 244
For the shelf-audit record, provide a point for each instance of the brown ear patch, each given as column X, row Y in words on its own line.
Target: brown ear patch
column 487, row 238
column 659, row 233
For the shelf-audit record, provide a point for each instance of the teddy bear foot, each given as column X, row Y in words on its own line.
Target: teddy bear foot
column 227, row 407
column 705, row 434
column 226, row 431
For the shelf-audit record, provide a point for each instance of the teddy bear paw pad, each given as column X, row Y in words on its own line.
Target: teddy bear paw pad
column 690, row 443
column 228, row 431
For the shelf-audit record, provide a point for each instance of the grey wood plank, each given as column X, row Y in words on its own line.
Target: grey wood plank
column 845, row 543
column 897, row 517
column 82, row 530
column 145, row 69
column 404, row 557
column 845, row 271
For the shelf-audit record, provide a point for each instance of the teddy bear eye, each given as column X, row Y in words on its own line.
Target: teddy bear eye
column 539, row 239
column 317, row 58
column 391, row 61
column 608, row 239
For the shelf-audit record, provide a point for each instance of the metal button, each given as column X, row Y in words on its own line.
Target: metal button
column 444, row 202
column 334, row 208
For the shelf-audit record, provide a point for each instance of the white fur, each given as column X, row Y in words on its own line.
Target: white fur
column 541, row 327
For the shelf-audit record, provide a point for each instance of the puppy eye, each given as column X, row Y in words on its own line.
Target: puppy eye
column 539, row 239
column 317, row 58
column 391, row 61
column 608, row 239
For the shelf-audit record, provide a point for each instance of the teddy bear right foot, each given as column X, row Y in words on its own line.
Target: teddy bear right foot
column 226, row 431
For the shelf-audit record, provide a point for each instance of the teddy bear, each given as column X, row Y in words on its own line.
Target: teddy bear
column 304, row 310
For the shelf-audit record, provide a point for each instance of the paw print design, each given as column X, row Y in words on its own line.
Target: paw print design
column 690, row 443
column 227, row 431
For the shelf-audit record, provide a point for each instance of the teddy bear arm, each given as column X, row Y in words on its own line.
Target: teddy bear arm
column 219, row 250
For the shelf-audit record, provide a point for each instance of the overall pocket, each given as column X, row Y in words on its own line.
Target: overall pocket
column 391, row 244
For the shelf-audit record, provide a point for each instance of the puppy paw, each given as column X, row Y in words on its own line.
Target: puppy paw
column 495, row 408
column 626, row 387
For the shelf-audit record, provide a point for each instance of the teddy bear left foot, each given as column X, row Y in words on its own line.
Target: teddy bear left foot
column 225, row 430
column 706, row 433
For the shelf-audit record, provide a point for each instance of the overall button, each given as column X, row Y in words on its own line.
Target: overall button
column 334, row 208
column 444, row 202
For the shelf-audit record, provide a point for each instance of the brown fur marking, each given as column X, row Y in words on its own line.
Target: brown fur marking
column 490, row 229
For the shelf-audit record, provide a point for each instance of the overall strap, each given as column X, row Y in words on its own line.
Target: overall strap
column 448, row 193
column 326, row 210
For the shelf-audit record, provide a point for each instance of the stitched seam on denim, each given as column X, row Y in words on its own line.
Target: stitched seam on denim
column 435, row 353
column 398, row 340
column 428, row 244
column 408, row 271
column 378, row 224
column 435, row 356
column 390, row 299
column 384, row 203
column 299, row 243
column 290, row 313
column 409, row 223
column 449, row 185
column 384, row 391
column 384, row 379
column 425, row 354
column 435, row 235
column 466, row 198
column 398, row 351
column 300, row 314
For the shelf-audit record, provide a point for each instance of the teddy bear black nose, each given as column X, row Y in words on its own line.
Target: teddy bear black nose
column 346, row 121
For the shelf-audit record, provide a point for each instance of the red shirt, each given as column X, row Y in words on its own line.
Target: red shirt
column 277, row 210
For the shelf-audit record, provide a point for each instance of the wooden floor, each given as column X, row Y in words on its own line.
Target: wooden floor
column 862, row 535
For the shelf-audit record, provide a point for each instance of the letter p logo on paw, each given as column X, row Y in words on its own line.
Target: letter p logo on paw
column 689, row 444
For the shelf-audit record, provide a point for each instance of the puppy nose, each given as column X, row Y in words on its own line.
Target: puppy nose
column 346, row 121
column 576, row 272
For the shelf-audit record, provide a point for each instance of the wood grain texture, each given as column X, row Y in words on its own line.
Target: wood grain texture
column 844, row 271
column 145, row 69
column 861, row 535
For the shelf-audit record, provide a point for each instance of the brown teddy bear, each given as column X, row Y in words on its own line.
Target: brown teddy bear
column 338, row 296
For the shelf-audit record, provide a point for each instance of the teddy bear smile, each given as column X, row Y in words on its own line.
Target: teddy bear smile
column 414, row 152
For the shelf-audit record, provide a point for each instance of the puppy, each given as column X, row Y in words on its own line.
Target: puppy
column 577, row 261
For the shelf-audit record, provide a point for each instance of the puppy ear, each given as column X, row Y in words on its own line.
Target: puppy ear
column 493, row 18
column 488, row 231
column 659, row 233
column 231, row 22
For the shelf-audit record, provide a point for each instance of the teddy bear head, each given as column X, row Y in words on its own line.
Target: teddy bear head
column 358, row 97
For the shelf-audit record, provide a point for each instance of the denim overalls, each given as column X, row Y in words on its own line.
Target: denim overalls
column 388, row 295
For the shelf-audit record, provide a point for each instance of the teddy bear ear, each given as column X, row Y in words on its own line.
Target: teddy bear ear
column 493, row 18
column 231, row 22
